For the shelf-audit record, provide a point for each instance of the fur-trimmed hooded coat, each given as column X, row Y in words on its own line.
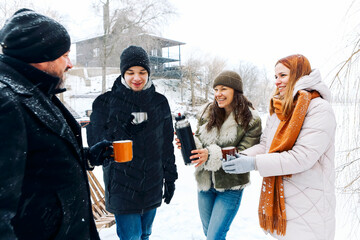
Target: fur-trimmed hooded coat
column 310, row 191
column 210, row 174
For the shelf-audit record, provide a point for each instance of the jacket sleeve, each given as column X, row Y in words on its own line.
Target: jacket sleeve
column 252, row 135
column 95, row 130
column 170, row 171
column 13, row 150
column 316, row 135
column 259, row 148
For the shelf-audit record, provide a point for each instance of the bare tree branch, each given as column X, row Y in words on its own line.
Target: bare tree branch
column 254, row 78
column 127, row 21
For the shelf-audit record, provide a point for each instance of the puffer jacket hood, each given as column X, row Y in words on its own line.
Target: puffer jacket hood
column 313, row 81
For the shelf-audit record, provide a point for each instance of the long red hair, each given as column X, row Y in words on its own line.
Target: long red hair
column 299, row 66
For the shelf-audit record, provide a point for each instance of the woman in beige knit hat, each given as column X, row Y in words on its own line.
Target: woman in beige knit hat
column 230, row 120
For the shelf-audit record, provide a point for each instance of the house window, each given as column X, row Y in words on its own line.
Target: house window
column 96, row 52
column 154, row 52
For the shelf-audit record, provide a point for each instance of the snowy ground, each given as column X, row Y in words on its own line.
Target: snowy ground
column 180, row 219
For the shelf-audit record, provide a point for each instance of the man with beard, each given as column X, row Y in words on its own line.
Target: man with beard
column 44, row 191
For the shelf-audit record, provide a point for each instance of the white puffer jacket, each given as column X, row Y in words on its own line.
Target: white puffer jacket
column 310, row 192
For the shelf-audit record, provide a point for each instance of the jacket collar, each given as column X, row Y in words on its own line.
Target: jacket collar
column 227, row 133
column 56, row 118
column 140, row 98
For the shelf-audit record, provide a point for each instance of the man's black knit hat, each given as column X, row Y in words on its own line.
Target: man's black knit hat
column 33, row 38
column 134, row 56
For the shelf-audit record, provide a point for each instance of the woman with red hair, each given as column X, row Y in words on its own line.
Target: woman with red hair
column 295, row 156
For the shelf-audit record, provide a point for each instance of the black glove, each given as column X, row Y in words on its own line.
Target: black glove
column 169, row 188
column 133, row 129
column 99, row 152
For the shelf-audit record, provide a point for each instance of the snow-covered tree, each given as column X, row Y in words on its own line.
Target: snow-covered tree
column 345, row 88
column 213, row 67
column 193, row 74
column 125, row 20
column 256, row 84
column 7, row 9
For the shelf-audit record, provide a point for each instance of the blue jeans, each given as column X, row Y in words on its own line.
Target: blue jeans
column 134, row 226
column 217, row 211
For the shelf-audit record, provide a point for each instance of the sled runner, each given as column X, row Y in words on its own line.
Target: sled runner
column 103, row 218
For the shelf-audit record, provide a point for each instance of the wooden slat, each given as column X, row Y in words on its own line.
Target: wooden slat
column 103, row 218
column 97, row 183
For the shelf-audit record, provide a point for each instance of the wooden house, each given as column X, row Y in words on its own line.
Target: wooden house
column 165, row 54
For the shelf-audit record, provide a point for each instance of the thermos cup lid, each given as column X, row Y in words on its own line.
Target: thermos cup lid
column 179, row 117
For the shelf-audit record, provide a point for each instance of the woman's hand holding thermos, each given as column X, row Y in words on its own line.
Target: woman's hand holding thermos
column 199, row 155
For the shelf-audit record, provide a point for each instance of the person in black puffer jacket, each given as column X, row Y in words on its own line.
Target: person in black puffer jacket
column 133, row 190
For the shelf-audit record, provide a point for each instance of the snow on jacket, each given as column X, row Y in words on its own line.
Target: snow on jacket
column 44, row 191
column 310, row 191
column 231, row 134
column 135, row 186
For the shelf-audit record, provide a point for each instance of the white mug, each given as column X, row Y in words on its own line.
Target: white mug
column 139, row 117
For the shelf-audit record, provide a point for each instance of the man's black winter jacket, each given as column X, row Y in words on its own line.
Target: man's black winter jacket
column 44, row 192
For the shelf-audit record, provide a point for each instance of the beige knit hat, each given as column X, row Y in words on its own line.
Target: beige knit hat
column 229, row 79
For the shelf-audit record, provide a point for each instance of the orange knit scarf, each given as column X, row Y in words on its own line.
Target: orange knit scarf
column 272, row 214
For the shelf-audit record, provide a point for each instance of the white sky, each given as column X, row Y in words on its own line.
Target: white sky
column 256, row 31
column 262, row 31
